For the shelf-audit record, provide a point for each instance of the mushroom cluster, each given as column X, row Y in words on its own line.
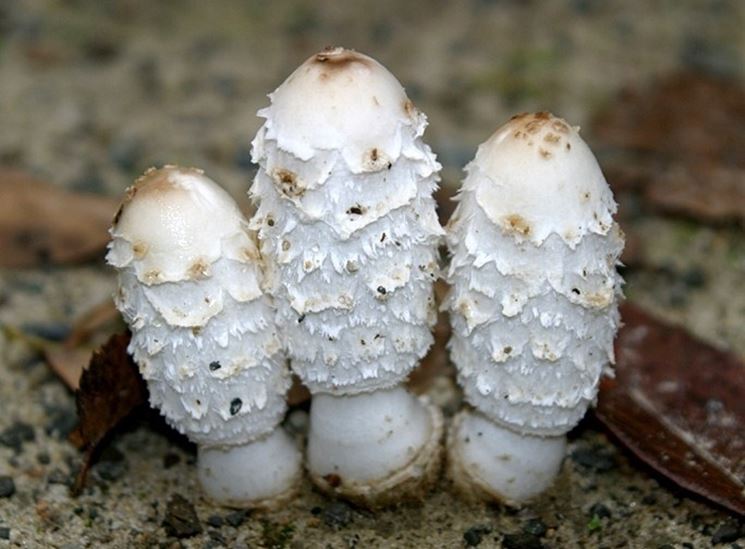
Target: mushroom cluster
column 342, row 283
column 533, row 303
column 203, row 332
column 347, row 223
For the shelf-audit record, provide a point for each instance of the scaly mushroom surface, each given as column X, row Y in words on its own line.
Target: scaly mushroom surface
column 203, row 332
column 347, row 222
column 533, row 304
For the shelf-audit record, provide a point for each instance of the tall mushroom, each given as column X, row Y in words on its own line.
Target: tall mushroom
column 203, row 332
column 347, row 220
column 533, row 303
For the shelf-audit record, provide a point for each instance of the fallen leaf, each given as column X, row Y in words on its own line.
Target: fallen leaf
column 110, row 389
column 42, row 223
column 68, row 362
column 679, row 144
column 91, row 322
column 679, row 405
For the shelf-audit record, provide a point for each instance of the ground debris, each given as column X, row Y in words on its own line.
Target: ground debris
column 42, row 224
column 678, row 144
column 181, row 520
column 678, row 404
column 110, row 389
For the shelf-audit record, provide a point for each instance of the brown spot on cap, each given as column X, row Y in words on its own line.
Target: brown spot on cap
column 199, row 269
column 153, row 276
column 544, row 153
column 409, row 108
column 288, row 183
column 139, row 249
column 560, row 126
column 516, row 224
column 551, row 138
column 337, row 58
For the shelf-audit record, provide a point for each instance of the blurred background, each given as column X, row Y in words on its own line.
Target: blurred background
column 94, row 92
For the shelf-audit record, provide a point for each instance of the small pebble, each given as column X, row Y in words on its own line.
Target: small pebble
column 694, row 278
column 535, row 527
column 58, row 476
column 521, row 541
column 236, row 518
column 4, row 532
column 215, row 521
column 217, row 537
column 726, row 533
column 595, row 458
column 337, row 514
column 43, row 458
column 171, row 459
column 181, row 520
column 61, row 422
column 475, row 535
column 15, row 435
column 112, row 464
column 7, row 486
column 599, row 510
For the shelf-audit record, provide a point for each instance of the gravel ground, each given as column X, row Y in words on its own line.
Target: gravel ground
column 91, row 93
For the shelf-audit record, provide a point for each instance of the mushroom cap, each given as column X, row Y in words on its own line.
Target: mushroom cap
column 339, row 99
column 174, row 223
column 536, row 176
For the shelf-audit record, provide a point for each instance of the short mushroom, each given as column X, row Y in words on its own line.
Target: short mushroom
column 534, row 303
column 203, row 332
column 347, row 220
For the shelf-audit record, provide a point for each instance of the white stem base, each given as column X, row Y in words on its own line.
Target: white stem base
column 374, row 448
column 260, row 474
column 488, row 461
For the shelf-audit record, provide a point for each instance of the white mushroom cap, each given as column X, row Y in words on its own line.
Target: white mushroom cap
column 166, row 228
column 326, row 105
column 543, row 179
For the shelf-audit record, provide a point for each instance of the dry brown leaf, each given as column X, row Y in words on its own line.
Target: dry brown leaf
column 41, row 223
column 68, row 362
column 679, row 405
column 92, row 321
column 69, row 358
column 110, row 389
column 680, row 143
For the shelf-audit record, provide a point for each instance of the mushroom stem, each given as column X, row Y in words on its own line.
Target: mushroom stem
column 262, row 473
column 490, row 461
column 369, row 442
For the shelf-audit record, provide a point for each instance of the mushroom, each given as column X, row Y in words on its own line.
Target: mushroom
column 533, row 304
column 203, row 332
column 347, row 221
